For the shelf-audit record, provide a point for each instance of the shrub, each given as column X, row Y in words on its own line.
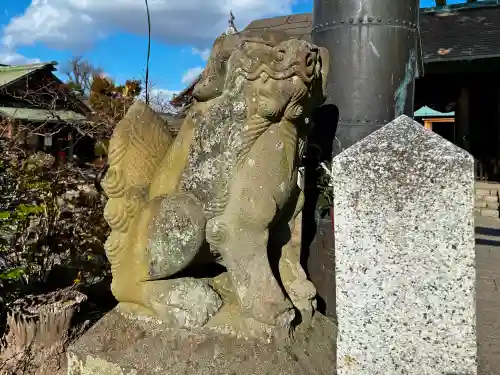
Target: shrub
column 51, row 226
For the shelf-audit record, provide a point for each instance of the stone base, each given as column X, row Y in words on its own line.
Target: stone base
column 118, row 345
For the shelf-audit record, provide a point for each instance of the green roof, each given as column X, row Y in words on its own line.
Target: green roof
column 40, row 115
column 11, row 73
column 429, row 112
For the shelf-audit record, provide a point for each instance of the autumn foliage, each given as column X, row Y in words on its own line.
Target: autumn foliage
column 110, row 101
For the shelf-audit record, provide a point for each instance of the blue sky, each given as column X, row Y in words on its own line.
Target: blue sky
column 111, row 33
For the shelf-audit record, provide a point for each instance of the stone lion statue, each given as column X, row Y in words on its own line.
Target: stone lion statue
column 223, row 191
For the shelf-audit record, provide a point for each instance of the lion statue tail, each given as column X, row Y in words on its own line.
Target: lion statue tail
column 139, row 143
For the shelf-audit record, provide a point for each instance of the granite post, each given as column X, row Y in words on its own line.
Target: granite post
column 404, row 250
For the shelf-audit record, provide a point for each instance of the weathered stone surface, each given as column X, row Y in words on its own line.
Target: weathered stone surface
column 120, row 345
column 493, row 205
column 488, row 212
column 490, row 198
column 404, row 249
column 482, row 191
column 226, row 186
column 480, row 204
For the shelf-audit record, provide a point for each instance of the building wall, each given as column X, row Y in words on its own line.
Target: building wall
column 473, row 92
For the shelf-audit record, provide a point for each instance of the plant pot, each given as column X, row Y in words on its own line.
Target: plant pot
column 38, row 331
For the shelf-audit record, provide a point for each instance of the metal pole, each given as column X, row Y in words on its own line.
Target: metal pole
column 375, row 54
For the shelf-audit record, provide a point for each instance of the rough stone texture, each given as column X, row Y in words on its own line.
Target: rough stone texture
column 480, row 204
column 404, row 249
column 179, row 225
column 489, row 212
column 492, row 205
column 120, row 345
column 227, row 178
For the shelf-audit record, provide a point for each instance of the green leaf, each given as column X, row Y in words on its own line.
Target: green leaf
column 12, row 274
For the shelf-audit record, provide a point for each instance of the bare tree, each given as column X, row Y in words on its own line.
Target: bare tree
column 81, row 73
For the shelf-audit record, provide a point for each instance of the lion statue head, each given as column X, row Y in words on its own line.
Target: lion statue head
column 286, row 78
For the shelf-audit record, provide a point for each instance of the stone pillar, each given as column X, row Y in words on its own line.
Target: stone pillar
column 404, row 252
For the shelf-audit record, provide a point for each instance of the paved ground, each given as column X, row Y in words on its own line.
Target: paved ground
column 488, row 294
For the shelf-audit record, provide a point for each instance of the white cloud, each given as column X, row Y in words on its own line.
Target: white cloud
column 191, row 75
column 9, row 57
column 67, row 24
column 203, row 53
column 164, row 93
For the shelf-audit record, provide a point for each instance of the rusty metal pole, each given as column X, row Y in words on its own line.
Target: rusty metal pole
column 375, row 56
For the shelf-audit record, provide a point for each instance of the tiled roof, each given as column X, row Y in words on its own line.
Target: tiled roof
column 461, row 34
column 184, row 97
column 453, row 33
column 40, row 115
column 297, row 26
column 11, row 73
column 456, row 32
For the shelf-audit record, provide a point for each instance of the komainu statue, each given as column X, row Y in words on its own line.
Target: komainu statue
column 224, row 191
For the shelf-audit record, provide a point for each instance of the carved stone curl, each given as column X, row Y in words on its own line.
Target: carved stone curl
column 224, row 190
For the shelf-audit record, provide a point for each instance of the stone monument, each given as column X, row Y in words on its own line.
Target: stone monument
column 223, row 192
column 404, row 250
